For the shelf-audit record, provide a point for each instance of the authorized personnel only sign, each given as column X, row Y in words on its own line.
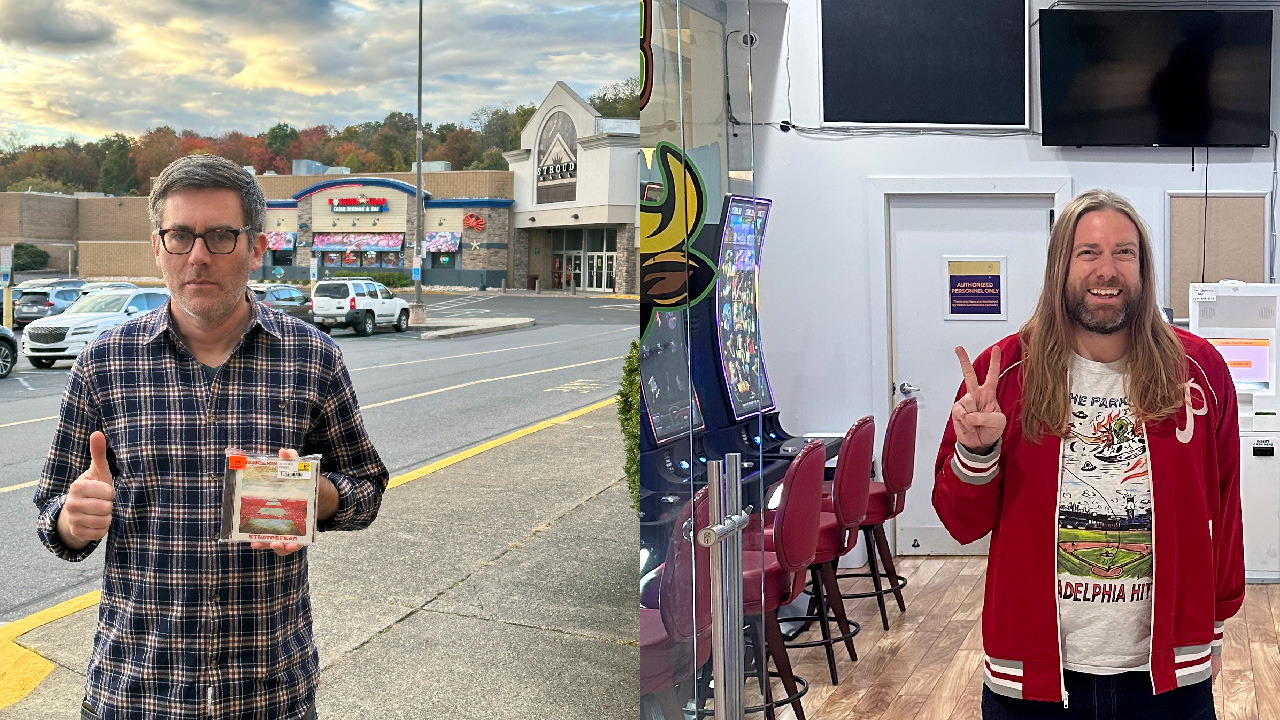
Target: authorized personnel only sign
column 975, row 289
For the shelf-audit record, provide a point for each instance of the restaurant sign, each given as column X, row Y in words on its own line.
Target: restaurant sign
column 360, row 204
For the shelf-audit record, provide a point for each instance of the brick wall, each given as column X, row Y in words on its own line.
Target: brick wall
column 519, row 258
column 46, row 221
column 627, row 268
column 117, row 260
column 115, row 238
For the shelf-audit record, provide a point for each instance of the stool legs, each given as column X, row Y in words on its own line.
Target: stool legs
column 868, row 535
column 821, row 602
column 882, row 545
column 778, row 651
column 829, row 581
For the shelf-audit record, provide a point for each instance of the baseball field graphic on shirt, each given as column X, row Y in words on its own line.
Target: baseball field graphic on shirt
column 1104, row 511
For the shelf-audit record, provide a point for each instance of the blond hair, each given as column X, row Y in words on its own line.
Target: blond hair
column 1156, row 369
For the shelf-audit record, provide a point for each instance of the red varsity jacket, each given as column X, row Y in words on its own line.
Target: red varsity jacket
column 1198, row 553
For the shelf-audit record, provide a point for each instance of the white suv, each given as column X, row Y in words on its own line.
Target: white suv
column 358, row 303
column 63, row 336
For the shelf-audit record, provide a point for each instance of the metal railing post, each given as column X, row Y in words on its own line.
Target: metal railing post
column 724, row 538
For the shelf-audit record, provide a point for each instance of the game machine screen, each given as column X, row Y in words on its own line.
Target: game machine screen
column 741, row 361
column 664, row 376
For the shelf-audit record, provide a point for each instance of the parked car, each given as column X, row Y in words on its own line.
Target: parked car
column 42, row 301
column 285, row 298
column 95, row 286
column 359, row 303
column 8, row 351
column 48, row 340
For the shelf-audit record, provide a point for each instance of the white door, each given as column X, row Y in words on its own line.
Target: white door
column 928, row 233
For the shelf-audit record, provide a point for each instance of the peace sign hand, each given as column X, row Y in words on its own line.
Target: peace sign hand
column 976, row 417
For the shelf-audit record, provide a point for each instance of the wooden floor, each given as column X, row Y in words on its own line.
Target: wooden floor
column 928, row 666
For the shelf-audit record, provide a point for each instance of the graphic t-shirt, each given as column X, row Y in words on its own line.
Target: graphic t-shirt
column 1104, row 528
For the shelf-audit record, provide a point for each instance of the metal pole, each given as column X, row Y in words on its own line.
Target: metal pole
column 417, row 245
column 725, row 543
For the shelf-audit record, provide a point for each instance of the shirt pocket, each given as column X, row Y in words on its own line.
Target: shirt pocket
column 282, row 420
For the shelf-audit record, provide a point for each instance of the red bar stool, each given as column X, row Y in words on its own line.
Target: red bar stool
column 675, row 638
column 843, row 512
column 773, row 578
column 886, row 500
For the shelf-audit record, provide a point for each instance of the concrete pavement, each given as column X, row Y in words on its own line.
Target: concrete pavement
column 502, row 586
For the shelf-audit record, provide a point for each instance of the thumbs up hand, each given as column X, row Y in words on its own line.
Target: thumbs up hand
column 86, row 514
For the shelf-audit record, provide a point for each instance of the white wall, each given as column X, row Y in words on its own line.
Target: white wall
column 816, row 301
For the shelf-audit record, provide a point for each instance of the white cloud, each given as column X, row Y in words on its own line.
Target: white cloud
column 218, row 65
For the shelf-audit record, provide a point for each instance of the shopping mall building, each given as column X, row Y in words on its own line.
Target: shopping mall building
column 564, row 214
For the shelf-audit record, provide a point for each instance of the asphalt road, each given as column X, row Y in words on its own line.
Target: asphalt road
column 422, row 400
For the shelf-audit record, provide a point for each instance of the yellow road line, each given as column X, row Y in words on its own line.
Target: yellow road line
column 24, row 422
column 21, row 670
column 488, row 380
column 488, row 352
column 472, row 452
column 18, row 486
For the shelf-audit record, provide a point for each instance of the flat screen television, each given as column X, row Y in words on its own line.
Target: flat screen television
column 737, row 329
column 1177, row 78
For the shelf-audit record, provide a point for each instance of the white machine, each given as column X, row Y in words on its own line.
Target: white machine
column 1241, row 320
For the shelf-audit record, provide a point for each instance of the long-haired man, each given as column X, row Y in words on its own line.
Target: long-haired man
column 1100, row 448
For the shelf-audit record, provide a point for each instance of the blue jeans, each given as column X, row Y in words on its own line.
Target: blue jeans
column 1126, row 696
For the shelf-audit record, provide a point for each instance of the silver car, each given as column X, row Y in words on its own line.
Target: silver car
column 63, row 337
column 42, row 302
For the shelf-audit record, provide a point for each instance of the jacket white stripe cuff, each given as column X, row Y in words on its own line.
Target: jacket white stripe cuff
column 1219, row 628
column 976, row 469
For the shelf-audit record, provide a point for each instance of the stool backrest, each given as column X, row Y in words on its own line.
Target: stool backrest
column 898, row 456
column 685, row 600
column 795, row 527
column 853, row 473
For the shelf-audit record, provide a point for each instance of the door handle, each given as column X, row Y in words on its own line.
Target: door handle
column 907, row 388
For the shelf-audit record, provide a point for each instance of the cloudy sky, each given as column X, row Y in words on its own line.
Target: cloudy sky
column 93, row 67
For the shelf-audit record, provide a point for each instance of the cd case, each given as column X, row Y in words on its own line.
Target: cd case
column 266, row 498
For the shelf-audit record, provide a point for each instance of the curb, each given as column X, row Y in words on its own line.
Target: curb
column 464, row 329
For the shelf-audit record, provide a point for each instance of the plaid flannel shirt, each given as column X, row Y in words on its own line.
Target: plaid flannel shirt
column 190, row 627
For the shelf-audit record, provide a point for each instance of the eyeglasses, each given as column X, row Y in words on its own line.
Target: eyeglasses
column 217, row 242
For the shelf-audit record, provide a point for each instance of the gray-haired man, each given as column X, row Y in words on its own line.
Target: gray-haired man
column 190, row 627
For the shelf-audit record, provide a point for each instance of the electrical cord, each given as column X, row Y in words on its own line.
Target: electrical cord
column 1204, row 240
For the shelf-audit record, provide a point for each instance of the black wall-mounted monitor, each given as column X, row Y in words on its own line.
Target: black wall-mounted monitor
column 1176, row 78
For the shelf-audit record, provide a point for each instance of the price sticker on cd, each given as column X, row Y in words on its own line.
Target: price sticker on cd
column 292, row 470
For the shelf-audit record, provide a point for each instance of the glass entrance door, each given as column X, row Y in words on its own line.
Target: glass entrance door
column 600, row 271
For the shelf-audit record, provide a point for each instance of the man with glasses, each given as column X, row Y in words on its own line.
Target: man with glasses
column 189, row 626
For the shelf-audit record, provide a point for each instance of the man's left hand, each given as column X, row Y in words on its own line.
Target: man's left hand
column 281, row 548
column 1215, row 664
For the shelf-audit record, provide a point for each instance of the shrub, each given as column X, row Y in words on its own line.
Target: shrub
column 629, row 418
column 29, row 257
column 390, row 279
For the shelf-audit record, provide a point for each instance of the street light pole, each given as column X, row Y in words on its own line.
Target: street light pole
column 417, row 283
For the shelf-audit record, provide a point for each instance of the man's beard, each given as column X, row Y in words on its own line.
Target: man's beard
column 1106, row 321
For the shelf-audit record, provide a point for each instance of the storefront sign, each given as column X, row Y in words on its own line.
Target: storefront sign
column 358, row 241
column 975, row 288
column 557, row 159
column 281, row 240
column 441, row 242
column 361, row 204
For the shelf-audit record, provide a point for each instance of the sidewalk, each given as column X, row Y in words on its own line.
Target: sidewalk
column 499, row 587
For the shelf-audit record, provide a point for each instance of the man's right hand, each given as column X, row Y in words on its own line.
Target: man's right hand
column 86, row 514
column 976, row 417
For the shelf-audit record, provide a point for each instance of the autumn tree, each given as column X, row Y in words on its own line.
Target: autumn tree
column 458, row 149
column 153, row 153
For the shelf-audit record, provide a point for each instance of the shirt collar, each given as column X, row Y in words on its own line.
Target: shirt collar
column 163, row 321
